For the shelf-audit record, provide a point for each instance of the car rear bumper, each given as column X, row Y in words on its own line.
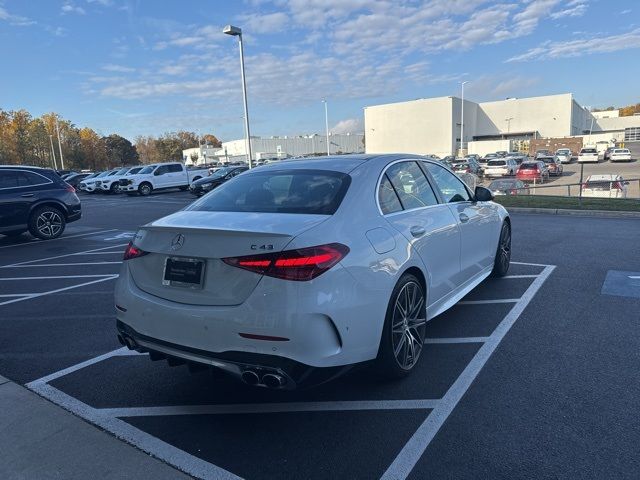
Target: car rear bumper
column 327, row 322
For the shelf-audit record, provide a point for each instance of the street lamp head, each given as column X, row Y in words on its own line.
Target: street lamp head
column 231, row 30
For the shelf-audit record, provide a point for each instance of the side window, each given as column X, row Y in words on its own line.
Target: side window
column 175, row 168
column 161, row 170
column 26, row 179
column 8, row 179
column 411, row 185
column 387, row 197
column 451, row 187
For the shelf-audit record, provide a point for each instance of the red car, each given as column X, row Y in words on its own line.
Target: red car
column 533, row 171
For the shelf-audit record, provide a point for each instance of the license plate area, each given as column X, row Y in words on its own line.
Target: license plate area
column 183, row 272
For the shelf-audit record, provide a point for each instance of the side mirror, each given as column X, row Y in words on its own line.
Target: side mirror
column 483, row 194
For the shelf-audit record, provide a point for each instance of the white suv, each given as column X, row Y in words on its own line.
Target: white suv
column 588, row 155
column 620, row 155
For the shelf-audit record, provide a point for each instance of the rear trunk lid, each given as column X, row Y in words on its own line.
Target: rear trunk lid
column 205, row 238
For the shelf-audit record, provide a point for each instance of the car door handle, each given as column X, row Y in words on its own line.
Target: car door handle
column 464, row 218
column 417, row 231
column 27, row 195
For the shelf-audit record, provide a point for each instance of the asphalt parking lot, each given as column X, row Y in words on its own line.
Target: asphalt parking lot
column 529, row 376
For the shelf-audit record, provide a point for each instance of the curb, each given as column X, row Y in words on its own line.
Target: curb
column 572, row 212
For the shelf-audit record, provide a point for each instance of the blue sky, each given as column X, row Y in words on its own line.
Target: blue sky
column 138, row 67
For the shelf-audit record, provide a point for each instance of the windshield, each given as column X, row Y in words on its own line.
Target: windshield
column 222, row 172
column 562, row 152
column 133, row 171
column 146, row 170
column 103, row 174
column 318, row 192
column 122, row 171
column 502, row 184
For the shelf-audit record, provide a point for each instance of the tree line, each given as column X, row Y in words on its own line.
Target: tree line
column 28, row 140
column 627, row 111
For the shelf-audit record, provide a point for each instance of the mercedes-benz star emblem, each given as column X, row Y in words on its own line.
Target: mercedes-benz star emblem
column 177, row 242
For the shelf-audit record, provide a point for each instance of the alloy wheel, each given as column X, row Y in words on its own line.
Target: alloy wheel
column 408, row 325
column 49, row 224
column 504, row 250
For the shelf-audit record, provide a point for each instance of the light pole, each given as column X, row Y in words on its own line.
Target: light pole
column 462, row 115
column 237, row 32
column 59, row 145
column 53, row 152
column 508, row 120
column 326, row 126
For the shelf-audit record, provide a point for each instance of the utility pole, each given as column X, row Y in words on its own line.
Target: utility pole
column 59, row 145
column 53, row 153
column 462, row 116
column 326, row 126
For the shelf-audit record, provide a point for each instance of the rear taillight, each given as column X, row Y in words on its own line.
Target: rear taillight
column 514, row 192
column 133, row 252
column 617, row 186
column 69, row 188
column 300, row 265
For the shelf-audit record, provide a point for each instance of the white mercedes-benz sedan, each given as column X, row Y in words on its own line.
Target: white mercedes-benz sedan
column 298, row 270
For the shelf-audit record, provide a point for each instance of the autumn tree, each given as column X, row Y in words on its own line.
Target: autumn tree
column 212, row 140
column 147, row 149
column 120, row 151
column 93, row 149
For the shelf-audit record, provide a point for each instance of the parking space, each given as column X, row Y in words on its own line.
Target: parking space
column 171, row 414
column 491, row 368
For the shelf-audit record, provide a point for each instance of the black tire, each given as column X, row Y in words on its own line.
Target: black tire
column 47, row 223
column 397, row 358
column 184, row 188
column 145, row 189
column 14, row 233
column 114, row 188
column 503, row 252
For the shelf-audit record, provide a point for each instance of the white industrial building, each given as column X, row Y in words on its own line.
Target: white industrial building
column 276, row 147
column 433, row 125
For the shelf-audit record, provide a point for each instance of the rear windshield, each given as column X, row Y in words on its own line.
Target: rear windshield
column 601, row 184
column 621, row 150
column 278, row 191
column 588, row 150
column 496, row 163
column 503, row 185
column 529, row 166
column 562, row 152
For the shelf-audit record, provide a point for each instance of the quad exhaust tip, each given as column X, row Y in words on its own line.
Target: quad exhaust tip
column 250, row 377
column 272, row 380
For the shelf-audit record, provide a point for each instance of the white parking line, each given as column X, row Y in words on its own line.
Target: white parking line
column 50, row 292
column 53, row 277
column 275, row 407
column 418, row 443
column 32, row 242
column 530, row 264
column 180, row 459
column 518, row 276
column 457, row 340
column 486, row 302
column 63, row 256
column 64, row 264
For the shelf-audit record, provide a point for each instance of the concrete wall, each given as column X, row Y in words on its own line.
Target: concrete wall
column 550, row 116
column 295, row 146
column 606, row 114
column 617, row 123
column 424, row 126
column 489, row 146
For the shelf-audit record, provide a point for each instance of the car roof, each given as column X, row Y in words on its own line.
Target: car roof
column 603, row 176
column 24, row 167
